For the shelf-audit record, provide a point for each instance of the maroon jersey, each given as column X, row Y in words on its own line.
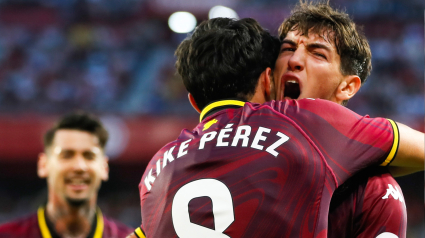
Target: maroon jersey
column 37, row 226
column 251, row 170
column 368, row 205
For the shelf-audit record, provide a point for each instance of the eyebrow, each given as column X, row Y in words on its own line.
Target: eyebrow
column 311, row 45
column 292, row 43
column 319, row 45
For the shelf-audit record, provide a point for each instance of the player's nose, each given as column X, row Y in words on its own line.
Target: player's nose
column 80, row 163
column 296, row 61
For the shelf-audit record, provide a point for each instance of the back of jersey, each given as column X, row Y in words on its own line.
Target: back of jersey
column 242, row 172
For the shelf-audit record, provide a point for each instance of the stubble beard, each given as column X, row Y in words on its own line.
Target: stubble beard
column 76, row 203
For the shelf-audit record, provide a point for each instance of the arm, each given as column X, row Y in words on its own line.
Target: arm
column 410, row 154
column 138, row 233
column 132, row 235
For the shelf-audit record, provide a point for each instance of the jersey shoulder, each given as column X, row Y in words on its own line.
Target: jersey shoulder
column 113, row 228
column 26, row 226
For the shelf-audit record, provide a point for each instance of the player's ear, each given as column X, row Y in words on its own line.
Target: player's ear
column 105, row 168
column 349, row 86
column 263, row 89
column 42, row 170
column 267, row 81
column 193, row 103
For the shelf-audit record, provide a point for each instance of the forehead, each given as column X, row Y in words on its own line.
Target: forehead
column 75, row 140
column 325, row 37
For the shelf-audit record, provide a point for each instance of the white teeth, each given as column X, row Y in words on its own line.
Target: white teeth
column 291, row 81
column 77, row 181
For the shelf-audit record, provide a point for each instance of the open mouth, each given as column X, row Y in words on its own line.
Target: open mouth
column 292, row 89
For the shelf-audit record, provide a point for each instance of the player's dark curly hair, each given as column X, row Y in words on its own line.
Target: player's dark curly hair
column 336, row 26
column 224, row 58
column 78, row 121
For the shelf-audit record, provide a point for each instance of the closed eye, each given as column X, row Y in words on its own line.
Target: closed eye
column 287, row 49
column 320, row 55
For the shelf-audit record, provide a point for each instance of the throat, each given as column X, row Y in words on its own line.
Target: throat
column 70, row 221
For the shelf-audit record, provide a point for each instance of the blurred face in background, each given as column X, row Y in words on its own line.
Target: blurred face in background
column 74, row 166
column 309, row 67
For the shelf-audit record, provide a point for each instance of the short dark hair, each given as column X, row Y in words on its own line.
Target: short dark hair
column 80, row 121
column 224, row 58
column 335, row 25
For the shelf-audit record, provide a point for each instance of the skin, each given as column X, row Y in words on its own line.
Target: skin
column 74, row 167
column 315, row 64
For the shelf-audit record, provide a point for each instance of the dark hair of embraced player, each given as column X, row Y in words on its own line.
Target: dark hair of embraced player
column 225, row 65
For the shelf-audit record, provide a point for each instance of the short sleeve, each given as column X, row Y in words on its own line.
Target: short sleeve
column 348, row 142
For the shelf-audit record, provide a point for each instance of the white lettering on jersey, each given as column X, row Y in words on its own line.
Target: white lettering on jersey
column 259, row 137
column 394, row 192
column 158, row 167
column 223, row 134
column 149, row 180
column 182, row 148
column 205, row 138
column 271, row 149
column 168, row 156
column 244, row 137
column 242, row 133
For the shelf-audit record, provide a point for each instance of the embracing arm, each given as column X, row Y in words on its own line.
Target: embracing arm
column 132, row 235
column 138, row 233
column 410, row 155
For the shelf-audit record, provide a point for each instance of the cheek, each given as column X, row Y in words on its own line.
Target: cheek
column 97, row 170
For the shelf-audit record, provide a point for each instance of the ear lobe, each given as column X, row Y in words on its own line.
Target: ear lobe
column 193, row 103
column 42, row 170
column 348, row 88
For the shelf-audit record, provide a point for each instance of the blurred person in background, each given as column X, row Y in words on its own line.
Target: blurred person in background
column 216, row 66
column 324, row 55
column 74, row 164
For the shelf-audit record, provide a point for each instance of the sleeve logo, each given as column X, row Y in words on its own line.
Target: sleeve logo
column 394, row 192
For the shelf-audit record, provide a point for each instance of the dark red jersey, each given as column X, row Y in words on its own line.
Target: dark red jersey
column 37, row 226
column 251, row 170
column 368, row 205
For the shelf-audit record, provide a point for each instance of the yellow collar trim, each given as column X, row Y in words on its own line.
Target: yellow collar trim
column 45, row 233
column 220, row 104
column 100, row 225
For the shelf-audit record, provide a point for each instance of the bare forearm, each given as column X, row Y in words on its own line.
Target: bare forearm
column 132, row 235
column 410, row 154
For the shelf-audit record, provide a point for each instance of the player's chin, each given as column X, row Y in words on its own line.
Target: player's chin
column 73, row 197
column 77, row 201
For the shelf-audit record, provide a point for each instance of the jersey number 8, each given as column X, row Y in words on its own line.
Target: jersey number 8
column 222, row 207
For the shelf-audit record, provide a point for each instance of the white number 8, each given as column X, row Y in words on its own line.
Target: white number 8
column 387, row 235
column 222, row 207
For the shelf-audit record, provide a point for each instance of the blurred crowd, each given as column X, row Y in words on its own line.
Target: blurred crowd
column 117, row 57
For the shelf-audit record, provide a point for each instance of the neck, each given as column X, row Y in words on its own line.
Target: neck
column 71, row 221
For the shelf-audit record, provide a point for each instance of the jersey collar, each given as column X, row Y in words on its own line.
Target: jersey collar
column 97, row 231
column 220, row 105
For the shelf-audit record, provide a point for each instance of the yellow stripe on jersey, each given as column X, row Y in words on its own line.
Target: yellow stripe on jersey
column 45, row 233
column 209, row 124
column 220, row 104
column 100, row 225
column 139, row 233
column 394, row 147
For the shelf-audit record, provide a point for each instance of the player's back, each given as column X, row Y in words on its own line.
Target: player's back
column 242, row 172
